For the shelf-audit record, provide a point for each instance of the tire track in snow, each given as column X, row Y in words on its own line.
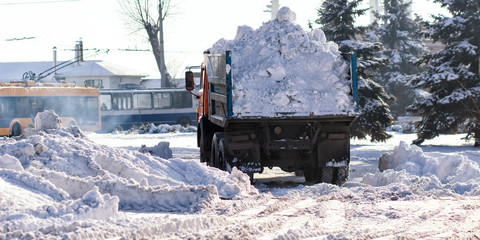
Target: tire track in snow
column 428, row 219
column 252, row 220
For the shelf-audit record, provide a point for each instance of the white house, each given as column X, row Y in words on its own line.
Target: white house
column 93, row 73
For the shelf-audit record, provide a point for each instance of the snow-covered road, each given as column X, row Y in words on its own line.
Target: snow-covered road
column 364, row 216
column 61, row 185
column 290, row 209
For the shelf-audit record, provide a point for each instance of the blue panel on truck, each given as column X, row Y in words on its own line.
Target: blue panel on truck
column 353, row 69
column 229, row 83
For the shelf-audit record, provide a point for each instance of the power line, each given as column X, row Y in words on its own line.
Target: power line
column 124, row 50
column 36, row 2
column 19, row 39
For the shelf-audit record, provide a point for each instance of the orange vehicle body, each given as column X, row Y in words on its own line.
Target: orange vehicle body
column 203, row 94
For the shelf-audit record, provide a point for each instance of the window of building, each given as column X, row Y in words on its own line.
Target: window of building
column 96, row 83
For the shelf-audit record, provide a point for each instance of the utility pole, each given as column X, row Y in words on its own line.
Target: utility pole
column 377, row 6
column 54, row 62
column 273, row 8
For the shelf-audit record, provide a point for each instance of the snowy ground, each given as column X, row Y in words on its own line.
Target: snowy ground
column 433, row 193
column 64, row 184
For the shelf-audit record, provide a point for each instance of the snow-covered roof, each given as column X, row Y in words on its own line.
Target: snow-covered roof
column 15, row 70
column 98, row 68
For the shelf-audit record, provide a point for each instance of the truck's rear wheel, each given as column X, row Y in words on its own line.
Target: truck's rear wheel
column 333, row 175
column 327, row 174
column 341, row 175
column 319, row 175
column 220, row 158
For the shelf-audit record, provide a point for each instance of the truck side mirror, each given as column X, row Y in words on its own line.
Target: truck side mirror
column 189, row 83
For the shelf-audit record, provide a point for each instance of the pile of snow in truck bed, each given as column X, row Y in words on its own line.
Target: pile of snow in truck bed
column 281, row 68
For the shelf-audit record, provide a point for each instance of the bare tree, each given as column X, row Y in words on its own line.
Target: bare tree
column 139, row 11
column 175, row 67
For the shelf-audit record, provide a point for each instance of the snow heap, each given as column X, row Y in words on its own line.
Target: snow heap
column 166, row 128
column 282, row 68
column 440, row 173
column 86, row 180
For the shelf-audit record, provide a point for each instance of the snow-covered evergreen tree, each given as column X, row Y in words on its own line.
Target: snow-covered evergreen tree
column 400, row 36
column 451, row 79
column 337, row 19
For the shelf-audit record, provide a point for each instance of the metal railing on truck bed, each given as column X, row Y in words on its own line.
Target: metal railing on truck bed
column 220, row 79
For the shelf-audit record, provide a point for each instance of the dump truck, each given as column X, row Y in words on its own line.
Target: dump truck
column 317, row 145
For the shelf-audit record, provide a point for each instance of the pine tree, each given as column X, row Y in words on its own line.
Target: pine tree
column 337, row 19
column 400, row 36
column 451, row 79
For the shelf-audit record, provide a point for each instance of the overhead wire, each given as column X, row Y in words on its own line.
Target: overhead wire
column 36, row 2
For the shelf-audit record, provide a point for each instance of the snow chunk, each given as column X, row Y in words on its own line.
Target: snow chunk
column 162, row 149
column 285, row 14
column 276, row 72
column 47, row 120
column 319, row 35
column 94, row 205
column 242, row 31
column 10, row 162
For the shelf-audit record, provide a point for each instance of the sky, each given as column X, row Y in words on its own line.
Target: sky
column 31, row 28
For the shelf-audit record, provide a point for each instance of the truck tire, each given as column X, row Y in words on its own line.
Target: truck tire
column 309, row 176
column 332, row 175
column 327, row 175
column 218, row 152
column 204, row 138
column 220, row 158
column 341, row 175
column 319, row 175
column 204, row 155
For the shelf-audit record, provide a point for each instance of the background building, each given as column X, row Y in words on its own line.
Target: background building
column 92, row 73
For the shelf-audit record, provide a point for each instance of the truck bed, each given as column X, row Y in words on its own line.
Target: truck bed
column 221, row 98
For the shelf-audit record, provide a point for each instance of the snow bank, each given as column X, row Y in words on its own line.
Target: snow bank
column 281, row 68
column 64, row 165
column 165, row 128
column 444, row 173
column 162, row 149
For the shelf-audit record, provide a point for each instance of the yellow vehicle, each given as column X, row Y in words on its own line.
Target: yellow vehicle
column 21, row 101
